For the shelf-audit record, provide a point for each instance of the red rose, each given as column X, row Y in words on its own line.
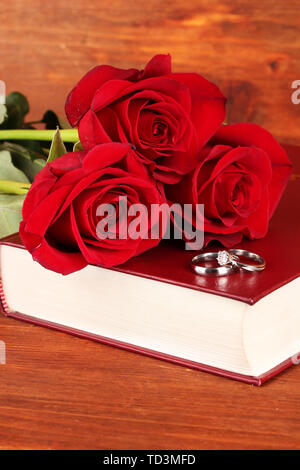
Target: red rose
column 240, row 180
column 167, row 116
column 60, row 212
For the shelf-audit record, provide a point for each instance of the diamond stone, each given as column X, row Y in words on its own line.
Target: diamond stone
column 223, row 257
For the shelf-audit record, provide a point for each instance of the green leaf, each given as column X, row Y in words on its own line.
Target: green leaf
column 40, row 163
column 77, row 146
column 33, row 147
column 3, row 113
column 10, row 213
column 17, row 107
column 63, row 123
column 15, row 149
column 24, row 158
column 19, row 101
column 8, row 171
column 50, row 120
column 57, row 148
column 13, row 120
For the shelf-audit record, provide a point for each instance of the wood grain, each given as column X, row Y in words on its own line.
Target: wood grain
column 62, row 392
column 250, row 49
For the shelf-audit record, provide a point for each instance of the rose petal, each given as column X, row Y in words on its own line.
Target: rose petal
column 50, row 257
column 247, row 134
column 160, row 64
column 80, row 98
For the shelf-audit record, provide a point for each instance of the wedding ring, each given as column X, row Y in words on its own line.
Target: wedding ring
column 228, row 261
column 199, row 261
column 259, row 266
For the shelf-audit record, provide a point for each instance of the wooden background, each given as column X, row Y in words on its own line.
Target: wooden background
column 60, row 392
column 250, row 49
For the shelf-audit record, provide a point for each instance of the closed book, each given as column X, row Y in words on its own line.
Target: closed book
column 244, row 326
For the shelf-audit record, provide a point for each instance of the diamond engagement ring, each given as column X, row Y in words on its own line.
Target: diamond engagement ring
column 225, row 257
column 199, row 265
column 228, row 261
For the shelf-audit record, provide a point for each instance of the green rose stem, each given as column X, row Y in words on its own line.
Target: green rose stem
column 14, row 187
column 67, row 135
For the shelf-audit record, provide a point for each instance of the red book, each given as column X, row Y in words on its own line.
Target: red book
column 245, row 326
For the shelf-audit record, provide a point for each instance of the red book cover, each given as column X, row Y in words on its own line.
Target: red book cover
column 169, row 262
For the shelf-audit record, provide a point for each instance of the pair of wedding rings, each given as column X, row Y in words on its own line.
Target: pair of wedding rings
column 228, row 261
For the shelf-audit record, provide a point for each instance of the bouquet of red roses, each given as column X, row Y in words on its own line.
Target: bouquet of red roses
column 149, row 140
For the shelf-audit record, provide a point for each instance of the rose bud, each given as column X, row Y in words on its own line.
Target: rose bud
column 240, row 180
column 167, row 116
column 68, row 200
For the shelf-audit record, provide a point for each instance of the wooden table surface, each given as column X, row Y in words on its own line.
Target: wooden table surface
column 61, row 392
